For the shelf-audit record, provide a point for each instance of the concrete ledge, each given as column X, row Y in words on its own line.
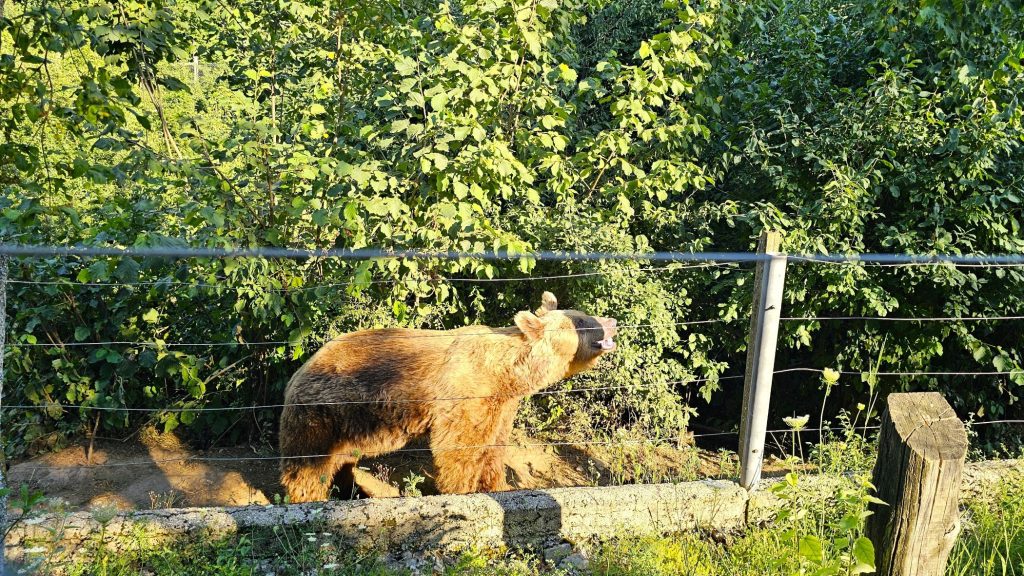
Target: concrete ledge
column 539, row 518
column 443, row 523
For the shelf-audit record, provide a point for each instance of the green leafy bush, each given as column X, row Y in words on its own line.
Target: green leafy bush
column 516, row 125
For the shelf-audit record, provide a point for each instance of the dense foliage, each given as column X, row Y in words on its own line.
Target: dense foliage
column 517, row 125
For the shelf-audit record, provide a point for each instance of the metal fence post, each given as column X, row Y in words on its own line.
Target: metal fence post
column 769, row 280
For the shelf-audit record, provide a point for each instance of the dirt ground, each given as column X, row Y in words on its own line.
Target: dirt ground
column 156, row 471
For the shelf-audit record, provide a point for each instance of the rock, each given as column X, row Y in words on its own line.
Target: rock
column 556, row 554
column 576, row 561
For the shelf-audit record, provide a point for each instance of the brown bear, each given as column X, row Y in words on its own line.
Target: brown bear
column 370, row 392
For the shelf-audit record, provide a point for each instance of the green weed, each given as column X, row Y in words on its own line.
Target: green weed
column 992, row 541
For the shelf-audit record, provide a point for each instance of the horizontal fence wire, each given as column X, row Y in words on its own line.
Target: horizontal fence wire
column 903, row 318
column 21, row 250
column 364, row 402
column 181, row 284
column 623, row 442
column 873, row 264
column 907, row 373
column 987, row 422
column 387, row 401
column 446, row 333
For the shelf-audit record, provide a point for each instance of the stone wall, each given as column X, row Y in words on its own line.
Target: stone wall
column 539, row 518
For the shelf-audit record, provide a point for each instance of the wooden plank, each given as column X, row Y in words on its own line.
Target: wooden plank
column 921, row 454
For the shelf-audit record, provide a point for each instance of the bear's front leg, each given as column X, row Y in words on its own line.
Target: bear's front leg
column 492, row 477
column 468, row 444
column 492, row 471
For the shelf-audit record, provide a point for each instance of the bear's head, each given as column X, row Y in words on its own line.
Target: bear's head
column 577, row 339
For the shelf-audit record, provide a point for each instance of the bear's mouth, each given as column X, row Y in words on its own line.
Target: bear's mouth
column 610, row 330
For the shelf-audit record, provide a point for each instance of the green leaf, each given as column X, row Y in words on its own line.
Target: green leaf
column 171, row 423
column 567, row 74
column 173, row 84
column 810, row 548
column 81, row 333
column 532, row 42
column 405, row 66
column 864, row 555
column 980, row 352
column 400, row 125
column 849, row 522
column 376, row 206
column 964, row 74
column 439, row 101
column 440, row 161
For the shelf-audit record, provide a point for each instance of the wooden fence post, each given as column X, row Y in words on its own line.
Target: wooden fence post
column 921, row 453
column 769, row 280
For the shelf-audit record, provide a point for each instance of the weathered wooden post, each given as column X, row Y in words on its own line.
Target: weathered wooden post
column 769, row 280
column 921, row 452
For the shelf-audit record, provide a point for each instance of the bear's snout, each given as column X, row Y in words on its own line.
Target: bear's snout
column 607, row 344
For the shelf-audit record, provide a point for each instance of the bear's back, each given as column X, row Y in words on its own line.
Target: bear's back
column 378, row 364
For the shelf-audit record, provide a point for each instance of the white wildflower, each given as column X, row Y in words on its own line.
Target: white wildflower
column 797, row 422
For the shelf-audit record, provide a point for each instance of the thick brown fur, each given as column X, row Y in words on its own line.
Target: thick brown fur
column 371, row 392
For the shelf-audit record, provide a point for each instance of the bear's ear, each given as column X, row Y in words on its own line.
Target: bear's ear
column 530, row 325
column 548, row 302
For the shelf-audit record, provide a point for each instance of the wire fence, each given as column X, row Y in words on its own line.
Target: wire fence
column 678, row 261
column 432, row 278
column 646, row 443
column 19, row 250
column 442, row 334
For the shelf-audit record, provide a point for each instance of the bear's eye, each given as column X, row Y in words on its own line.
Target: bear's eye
column 589, row 333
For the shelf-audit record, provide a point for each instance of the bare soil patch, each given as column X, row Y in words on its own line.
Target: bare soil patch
column 159, row 471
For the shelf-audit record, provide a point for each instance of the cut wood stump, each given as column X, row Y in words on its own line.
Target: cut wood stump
column 921, row 453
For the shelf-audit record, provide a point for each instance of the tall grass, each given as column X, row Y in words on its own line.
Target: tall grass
column 992, row 541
